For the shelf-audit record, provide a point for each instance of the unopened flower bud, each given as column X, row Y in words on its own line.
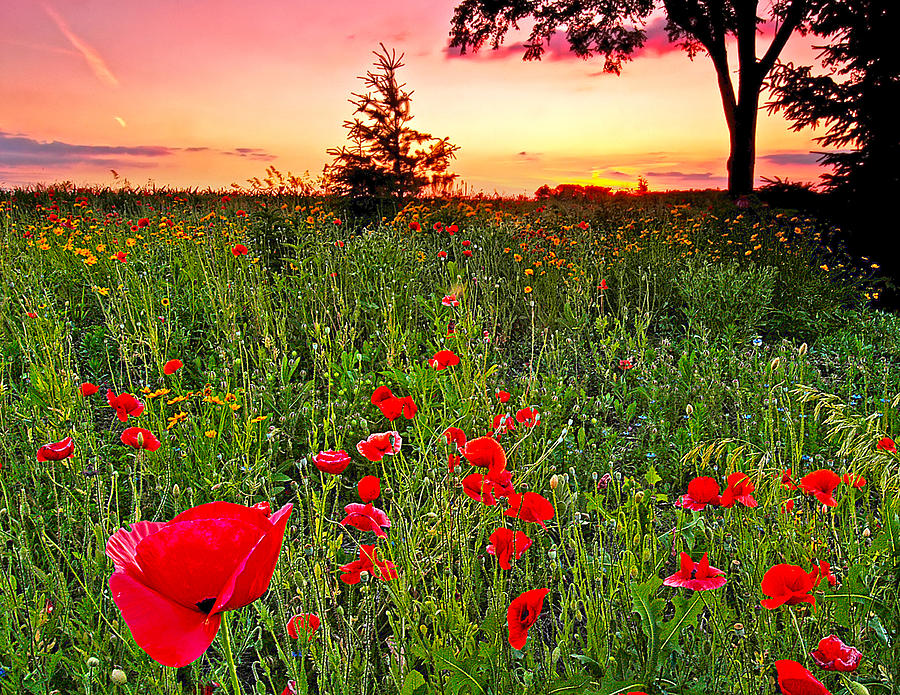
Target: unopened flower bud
column 856, row 687
column 639, row 496
column 634, row 572
column 803, row 349
column 775, row 363
column 866, row 533
column 118, row 676
column 689, row 409
column 554, row 481
column 93, row 662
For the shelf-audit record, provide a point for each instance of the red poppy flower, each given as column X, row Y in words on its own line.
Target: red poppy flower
column 376, row 446
column 886, row 444
column 479, row 488
column 209, row 688
column 339, row 244
column 452, row 229
column 240, row 213
column 121, row 256
column 31, row 315
column 56, row 451
column 392, row 406
column 739, row 489
column 366, row 517
column 625, row 365
column 453, row 462
column 437, row 226
column 414, row 226
column 853, row 481
column 467, row 252
column 450, row 300
column 240, row 249
column 822, row 570
column 172, row 366
column 530, row 507
column 698, row 576
column 834, row 655
column 124, row 404
column 173, row 580
column 369, row 488
column 456, row 436
column 140, row 438
column 582, row 225
column 143, row 222
column 522, row 613
column 504, row 423
column 701, row 492
column 787, row 480
column 508, row 546
column 443, row 359
column 787, row 507
column 821, row 484
column 502, row 481
column 485, row 453
column 787, row 585
column 88, row 389
column 602, row 285
column 333, row 462
column 442, row 254
column 305, row 622
column 793, row 679
column 528, row 417
column 503, row 396
column 368, row 562
column 467, row 242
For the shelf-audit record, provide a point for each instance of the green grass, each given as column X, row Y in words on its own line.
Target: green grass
column 752, row 350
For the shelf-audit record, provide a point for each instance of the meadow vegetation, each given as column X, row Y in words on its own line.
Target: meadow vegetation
column 616, row 350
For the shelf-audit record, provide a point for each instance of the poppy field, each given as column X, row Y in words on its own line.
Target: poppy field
column 252, row 444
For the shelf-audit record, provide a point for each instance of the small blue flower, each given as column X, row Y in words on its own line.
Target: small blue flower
column 757, row 342
column 651, row 455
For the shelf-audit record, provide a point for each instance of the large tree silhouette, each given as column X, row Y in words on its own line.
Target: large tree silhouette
column 855, row 97
column 614, row 29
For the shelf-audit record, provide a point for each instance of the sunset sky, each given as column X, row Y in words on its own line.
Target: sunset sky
column 208, row 93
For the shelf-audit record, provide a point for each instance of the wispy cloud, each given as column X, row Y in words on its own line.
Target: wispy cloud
column 17, row 150
column 93, row 59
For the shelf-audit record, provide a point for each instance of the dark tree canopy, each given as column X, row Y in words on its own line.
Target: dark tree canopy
column 854, row 97
column 387, row 159
column 615, row 29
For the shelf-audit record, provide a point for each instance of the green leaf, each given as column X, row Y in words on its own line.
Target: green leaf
column 686, row 614
column 649, row 610
column 413, row 681
column 652, row 477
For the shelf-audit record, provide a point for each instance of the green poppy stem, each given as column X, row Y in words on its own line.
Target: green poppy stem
column 229, row 657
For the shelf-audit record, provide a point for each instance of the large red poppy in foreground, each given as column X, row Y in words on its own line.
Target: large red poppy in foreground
column 174, row 580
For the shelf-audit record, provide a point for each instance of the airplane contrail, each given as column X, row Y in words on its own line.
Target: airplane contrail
column 94, row 61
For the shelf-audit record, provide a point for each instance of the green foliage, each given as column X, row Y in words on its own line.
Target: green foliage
column 282, row 350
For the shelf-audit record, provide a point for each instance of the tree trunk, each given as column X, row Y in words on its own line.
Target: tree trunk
column 742, row 158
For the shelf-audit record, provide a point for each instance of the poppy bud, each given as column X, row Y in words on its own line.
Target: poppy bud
column 93, row 662
column 639, row 496
column 554, row 481
column 176, row 491
column 689, row 409
column 634, row 572
column 866, row 533
column 118, row 676
column 803, row 349
column 856, row 688
column 775, row 363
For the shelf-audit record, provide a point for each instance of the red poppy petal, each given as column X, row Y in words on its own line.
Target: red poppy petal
column 122, row 545
column 252, row 577
column 170, row 633
column 192, row 561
